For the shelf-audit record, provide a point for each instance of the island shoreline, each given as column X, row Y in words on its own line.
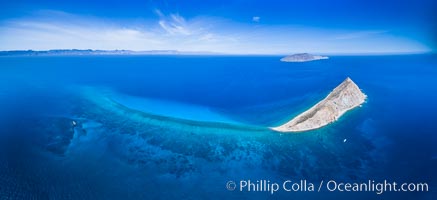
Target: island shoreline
column 343, row 98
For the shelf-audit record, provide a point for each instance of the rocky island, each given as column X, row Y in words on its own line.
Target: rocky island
column 343, row 98
column 302, row 57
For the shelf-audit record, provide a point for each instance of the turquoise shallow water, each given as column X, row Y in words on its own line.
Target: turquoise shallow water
column 172, row 109
column 183, row 126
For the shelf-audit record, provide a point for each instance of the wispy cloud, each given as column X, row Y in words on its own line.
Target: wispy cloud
column 358, row 34
column 61, row 30
column 175, row 25
column 54, row 30
column 159, row 13
column 43, row 34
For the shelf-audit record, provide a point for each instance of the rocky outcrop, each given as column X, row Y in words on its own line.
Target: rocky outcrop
column 302, row 57
column 343, row 98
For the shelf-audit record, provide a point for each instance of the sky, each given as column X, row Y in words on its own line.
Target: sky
column 223, row 26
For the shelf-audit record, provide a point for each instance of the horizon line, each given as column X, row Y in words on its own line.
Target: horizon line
column 179, row 52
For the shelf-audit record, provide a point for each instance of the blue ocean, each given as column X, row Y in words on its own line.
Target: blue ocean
column 196, row 127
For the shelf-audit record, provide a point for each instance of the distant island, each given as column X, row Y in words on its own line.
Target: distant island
column 343, row 98
column 56, row 52
column 302, row 57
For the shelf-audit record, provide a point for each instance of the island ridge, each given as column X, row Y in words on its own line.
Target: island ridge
column 343, row 98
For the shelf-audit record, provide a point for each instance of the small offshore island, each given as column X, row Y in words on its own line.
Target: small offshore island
column 302, row 57
column 343, row 98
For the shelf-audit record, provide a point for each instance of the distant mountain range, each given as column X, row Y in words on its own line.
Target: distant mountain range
column 99, row 52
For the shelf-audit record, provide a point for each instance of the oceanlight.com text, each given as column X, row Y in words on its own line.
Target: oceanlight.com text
column 378, row 187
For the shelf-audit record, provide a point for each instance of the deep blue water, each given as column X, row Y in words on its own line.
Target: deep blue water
column 162, row 127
